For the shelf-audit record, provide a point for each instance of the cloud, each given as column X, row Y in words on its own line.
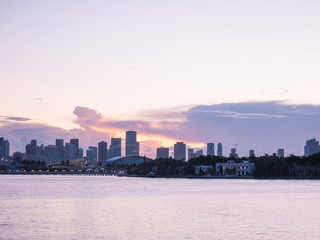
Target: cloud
column 263, row 126
column 13, row 119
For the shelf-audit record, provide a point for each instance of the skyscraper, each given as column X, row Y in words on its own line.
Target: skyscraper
column 102, row 150
column 251, row 153
column 59, row 145
column 180, row 151
column 312, row 147
column 5, row 148
column 210, row 149
column 115, row 147
column 75, row 142
column 233, row 153
column 70, row 151
column 219, row 151
column 132, row 146
column 33, row 147
column 162, row 153
column 281, row 153
column 191, row 153
column 95, row 149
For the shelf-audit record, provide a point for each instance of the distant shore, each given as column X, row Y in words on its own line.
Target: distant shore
column 142, row 176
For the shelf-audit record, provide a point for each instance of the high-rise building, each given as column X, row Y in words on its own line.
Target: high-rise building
column 199, row 153
column 70, row 151
column 95, row 149
column 132, row 146
column 75, row 142
column 312, row 146
column 80, row 153
column 1, row 141
column 5, row 148
column 219, row 151
column 102, row 150
column 191, row 153
column 162, row 153
column 210, row 149
column 33, row 147
column 115, row 147
column 52, row 152
column 60, row 146
column 251, row 153
column 281, row 153
column 179, row 151
column 234, row 153
column 90, row 158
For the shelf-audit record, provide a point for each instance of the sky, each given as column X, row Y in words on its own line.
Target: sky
column 243, row 73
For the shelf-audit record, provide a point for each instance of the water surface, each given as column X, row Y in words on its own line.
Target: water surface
column 100, row 207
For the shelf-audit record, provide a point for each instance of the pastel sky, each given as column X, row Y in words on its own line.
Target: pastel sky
column 194, row 71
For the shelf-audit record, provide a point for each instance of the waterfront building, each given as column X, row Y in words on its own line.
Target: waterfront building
column 102, row 150
column 312, row 147
column 179, row 151
column 199, row 153
column 132, row 146
column 75, row 142
column 202, row 168
column 115, row 148
column 162, row 153
column 60, row 147
column 281, row 153
column 233, row 153
column 219, row 150
column 232, row 168
column 126, row 160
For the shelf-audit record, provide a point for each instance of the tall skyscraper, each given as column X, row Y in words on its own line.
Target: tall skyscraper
column 281, row 153
column 102, row 150
column 132, row 146
column 115, row 147
column 5, row 148
column 251, row 153
column 210, row 149
column 180, row 151
column 191, row 153
column 162, row 153
column 312, row 146
column 75, row 142
column 33, row 147
column 70, row 151
column 60, row 146
column 219, row 151
column 95, row 149
column 234, row 153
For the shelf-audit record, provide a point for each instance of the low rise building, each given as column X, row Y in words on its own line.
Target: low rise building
column 232, row 168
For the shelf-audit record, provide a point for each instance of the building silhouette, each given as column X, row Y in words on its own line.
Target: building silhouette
column 60, row 147
column 233, row 153
column 312, row 146
column 219, row 150
column 75, row 142
column 132, row 146
column 210, row 149
column 162, row 153
column 281, row 153
column 115, row 148
column 179, row 151
column 251, row 153
column 102, row 151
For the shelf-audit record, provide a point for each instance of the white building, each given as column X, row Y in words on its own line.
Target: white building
column 232, row 168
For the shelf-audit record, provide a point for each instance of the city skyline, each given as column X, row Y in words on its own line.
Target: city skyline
column 241, row 73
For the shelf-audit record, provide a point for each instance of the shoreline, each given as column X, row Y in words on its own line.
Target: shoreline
column 142, row 176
